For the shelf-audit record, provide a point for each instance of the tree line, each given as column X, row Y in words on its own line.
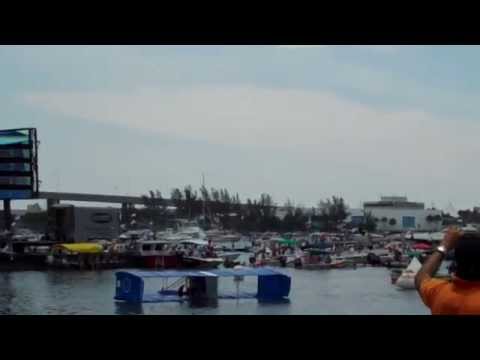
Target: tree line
column 220, row 207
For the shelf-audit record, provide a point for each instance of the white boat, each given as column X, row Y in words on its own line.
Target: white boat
column 229, row 256
column 406, row 281
column 218, row 236
column 193, row 231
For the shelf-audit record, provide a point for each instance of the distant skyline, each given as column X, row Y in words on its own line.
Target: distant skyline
column 298, row 122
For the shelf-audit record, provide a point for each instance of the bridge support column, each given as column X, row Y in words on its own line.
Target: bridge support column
column 51, row 202
column 124, row 214
column 51, row 222
column 7, row 214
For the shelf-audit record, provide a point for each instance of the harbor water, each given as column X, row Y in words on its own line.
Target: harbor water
column 363, row 291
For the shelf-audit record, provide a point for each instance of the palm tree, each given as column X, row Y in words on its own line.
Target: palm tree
column 392, row 222
column 155, row 206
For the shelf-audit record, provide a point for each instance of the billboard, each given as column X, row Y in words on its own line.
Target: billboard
column 18, row 164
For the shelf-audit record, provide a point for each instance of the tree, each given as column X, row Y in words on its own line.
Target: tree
column 206, row 212
column 370, row 222
column 191, row 204
column 392, row 222
column 35, row 221
column 177, row 198
column 333, row 212
column 155, row 208
column 448, row 219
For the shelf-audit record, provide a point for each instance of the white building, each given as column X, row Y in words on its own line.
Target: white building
column 398, row 214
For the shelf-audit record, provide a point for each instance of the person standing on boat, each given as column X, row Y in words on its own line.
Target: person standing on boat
column 461, row 295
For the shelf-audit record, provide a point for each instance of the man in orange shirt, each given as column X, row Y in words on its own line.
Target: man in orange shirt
column 461, row 295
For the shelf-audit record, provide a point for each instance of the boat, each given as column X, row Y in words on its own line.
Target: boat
column 406, row 280
column 229, row 256
column 153, row 254
column 342, row 263
column 25, row 255
column 396, row 264
column 75, row 256
column 315, row 259
column 239, row 246
column 395, row 274
column 192, row 262
column 202, row 257
column 354, row 257
column 192, row 231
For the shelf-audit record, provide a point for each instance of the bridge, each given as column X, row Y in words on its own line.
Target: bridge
column 98, row 198
column 54, row 198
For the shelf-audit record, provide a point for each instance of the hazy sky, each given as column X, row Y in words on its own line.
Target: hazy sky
column 300, row 122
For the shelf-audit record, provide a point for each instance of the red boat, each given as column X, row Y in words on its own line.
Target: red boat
column 154, row 254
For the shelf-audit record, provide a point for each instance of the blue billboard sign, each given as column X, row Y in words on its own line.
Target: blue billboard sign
column 18, row 164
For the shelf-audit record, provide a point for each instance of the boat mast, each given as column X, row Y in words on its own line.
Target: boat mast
column 203, row 204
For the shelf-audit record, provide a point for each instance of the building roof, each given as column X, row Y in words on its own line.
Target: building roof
column 394, row 202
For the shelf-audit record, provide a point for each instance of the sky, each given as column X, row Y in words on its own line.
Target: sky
column 299, row 122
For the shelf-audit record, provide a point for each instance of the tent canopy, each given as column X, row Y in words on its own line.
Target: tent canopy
column 287, row 242
column 422, row 246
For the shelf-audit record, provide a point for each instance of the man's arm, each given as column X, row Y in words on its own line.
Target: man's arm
column 429, row 269
column 431, row 265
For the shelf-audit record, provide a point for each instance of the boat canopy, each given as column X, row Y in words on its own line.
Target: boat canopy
column 197, row 273
column 272, row 285
column 154, row 242
column 194, row 242
column 82, row 248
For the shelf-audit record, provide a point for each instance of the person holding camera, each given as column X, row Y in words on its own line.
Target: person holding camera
column 461, row 294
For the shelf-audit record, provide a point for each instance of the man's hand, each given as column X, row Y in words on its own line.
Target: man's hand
column 451, row 238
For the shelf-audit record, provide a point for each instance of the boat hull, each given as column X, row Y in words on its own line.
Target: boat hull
column 405, row 283
column 201, row 263
column 158, row 261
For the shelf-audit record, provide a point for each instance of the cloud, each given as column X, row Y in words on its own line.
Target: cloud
column 383, row 48
column 300, row 46
column 322, row 137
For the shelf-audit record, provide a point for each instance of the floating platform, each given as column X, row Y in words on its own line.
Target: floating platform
column 272, row 286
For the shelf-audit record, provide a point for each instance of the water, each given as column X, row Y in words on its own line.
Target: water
column 337, row 292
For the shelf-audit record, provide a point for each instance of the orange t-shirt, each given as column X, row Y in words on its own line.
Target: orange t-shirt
column 451, row 297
